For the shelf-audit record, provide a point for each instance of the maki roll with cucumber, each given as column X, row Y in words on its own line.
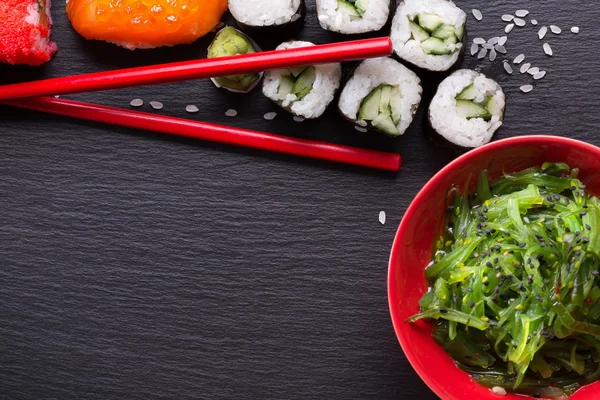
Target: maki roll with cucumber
column 231, row 42
column 429, row 33
column 266, row 13
column 303, row 91
column 381, row 95
column 353, row 16
column 467, row 109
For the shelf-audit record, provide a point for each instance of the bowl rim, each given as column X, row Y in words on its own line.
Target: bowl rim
column 410, row 354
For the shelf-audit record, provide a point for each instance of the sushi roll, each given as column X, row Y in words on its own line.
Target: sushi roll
column 303, row 91
column 231, row 42
column 381, row 95
column 25, row 32
column 353, row 16
column 135, row 24
column 429, row 33
column 253, row 14
column 467, row 109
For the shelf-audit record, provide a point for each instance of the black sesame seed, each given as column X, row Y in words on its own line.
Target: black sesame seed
column 577, row 253
column 577, row 233
column 581, row 214
column 549, row 198
column 556, row 197
column 496, row 260
column 485, row 209
column 496, row 248
column 521, row 245
column 537, row 235
column 469, row 290
column 471, row 304
column 528, row 339
column 573, row 188
column 539, row 298
column 486, row 283
column 443, row 310
column 551, row 205
column 489, row 264
column 586, row 239
column 485, row 217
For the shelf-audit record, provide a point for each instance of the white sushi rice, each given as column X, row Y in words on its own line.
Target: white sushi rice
column 377, row 71
column 373, row 19
column 314, row 104
column 447, row 122
column 265, row 12
column 410, row 49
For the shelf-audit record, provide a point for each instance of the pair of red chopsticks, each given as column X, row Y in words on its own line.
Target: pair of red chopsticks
column 28, row 95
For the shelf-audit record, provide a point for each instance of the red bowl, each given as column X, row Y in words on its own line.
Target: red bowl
column 414, row 240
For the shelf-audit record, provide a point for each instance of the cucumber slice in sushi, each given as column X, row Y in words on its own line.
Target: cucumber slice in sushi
column 417, row 32
column 429, row 22
column 381, row 95
column 470, row 109
column 348, row 8
column 436, row 46
column 303, row 91
column 351, row 17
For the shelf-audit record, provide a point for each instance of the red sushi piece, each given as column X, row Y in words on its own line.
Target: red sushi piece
column 25, row 31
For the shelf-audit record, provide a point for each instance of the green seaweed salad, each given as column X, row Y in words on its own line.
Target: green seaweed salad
column 514, row 282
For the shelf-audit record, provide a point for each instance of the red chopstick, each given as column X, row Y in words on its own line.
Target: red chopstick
column 212, row 132
column 200, row 69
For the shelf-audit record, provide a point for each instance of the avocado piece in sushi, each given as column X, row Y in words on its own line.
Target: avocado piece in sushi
column 260, row 15
column 467, row 109
column 429, row 34
column 25, row 32
column 303, row 91
column 381, row 95
column 231, row 42
column 353, row 16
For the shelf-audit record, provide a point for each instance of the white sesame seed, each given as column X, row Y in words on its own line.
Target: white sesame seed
column 487, row 46
column 525, row 67
column 474, row 49
column 500, row 49
column 542, row 32
column 493, row 55
column 526, row 88
column 270, row 116
column 479, row 40
column 499, row 390
column 534, row 22
column 519, row 22
column 298, row 119
column 231, row 112
column 507, row 67
column 360, row 129
column 509, row 28
column 136, row 103
column 575, row 29
column 191, row 108
column 157, row 105
column 519, row 59
column 533, row 70
column 382, row 217
column 547, row 49
column 555, row 29
column 502, row 40
column 507, row 17
column 482, row 54
column 521, row 13
column 477, row 14
column 493, row 40
column 56, row 96
column 539, row 75
column 362, row 123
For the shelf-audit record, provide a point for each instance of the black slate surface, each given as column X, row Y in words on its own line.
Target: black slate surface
column 135, row 266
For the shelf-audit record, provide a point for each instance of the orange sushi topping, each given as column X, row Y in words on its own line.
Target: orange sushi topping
column 145, row 23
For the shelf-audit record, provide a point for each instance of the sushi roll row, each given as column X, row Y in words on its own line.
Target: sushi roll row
column 25, row 32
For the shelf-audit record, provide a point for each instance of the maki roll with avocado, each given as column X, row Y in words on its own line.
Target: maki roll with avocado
column 467, row 109
column 253, row 14
column 381, row 95
column 429, row 33
column 231, row 42
column 303, row 91
column 353, row 16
